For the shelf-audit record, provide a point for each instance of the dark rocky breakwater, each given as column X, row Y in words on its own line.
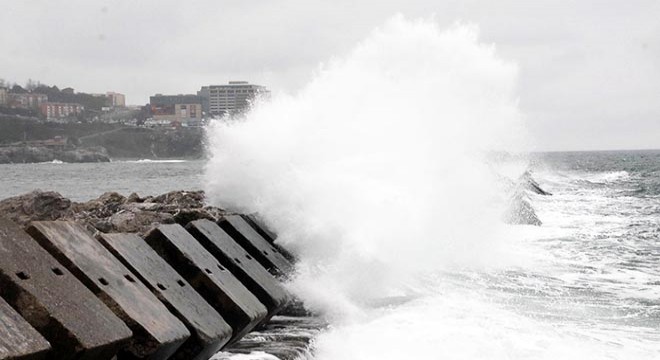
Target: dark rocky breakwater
column 135, row 277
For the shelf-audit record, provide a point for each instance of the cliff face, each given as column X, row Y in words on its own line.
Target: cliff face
column 95, row 141
column 136, row 142
column 36, row 154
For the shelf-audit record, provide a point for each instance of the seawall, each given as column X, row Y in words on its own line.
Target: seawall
column 156, row 277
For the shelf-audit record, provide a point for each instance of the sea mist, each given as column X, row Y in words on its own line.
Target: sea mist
column 375, row 174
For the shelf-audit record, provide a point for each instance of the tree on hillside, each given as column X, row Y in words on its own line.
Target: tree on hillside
column 30, row 85
column 18, row 89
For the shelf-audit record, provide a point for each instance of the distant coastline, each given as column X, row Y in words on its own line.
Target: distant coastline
column 24, row 140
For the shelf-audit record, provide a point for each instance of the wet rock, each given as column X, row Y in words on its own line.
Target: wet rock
column 104, row 206
column 183, row 199
column 36, row 205
column 521, row 212
column 112, row 212
column 530, row 184
column 284, row 337
column 521, row 193
column 128, row 221
column 184, row 216
column 134, row 198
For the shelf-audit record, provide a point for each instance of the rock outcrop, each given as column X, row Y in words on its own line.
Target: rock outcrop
column 37, row 154
column 520, row 210
column 111, row 212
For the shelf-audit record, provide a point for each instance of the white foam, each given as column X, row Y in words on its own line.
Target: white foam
column 156, row 161
column 375, row 171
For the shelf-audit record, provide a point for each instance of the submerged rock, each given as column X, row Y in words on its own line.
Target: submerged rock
column 521, row 212
column 530, row 184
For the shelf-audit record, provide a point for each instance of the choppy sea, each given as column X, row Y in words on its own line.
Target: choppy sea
column 588, row 289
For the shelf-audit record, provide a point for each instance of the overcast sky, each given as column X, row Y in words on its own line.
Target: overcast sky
column 589, row 69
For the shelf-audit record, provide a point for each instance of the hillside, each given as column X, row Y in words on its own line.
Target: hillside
column 119, row 141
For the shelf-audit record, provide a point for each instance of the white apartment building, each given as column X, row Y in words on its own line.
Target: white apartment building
column 231, row 98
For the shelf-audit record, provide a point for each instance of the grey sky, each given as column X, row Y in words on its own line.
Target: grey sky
column 589, row 70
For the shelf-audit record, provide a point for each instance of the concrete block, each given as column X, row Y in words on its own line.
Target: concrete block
column 267, row 234
column 75, row 322
column 210, row 331
column 255, row 244
column 214, row 282
column 259, row 227
column 18, row 340
column 248, row 270
column 157, row 333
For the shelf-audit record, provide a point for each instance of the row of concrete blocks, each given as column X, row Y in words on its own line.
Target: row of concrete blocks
column 180, row 293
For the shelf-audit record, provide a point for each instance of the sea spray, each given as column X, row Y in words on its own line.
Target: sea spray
column 375, row 173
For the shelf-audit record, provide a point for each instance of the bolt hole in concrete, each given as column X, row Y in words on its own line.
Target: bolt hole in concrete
column 265, row 252
column 208, row 271
column 181, row 283
column 248, row 257
column 129, row 278
column 57, row 271
column 22, row 275
column 221, row 268
column 238, row 261
column 104, row 282
column 161, row 286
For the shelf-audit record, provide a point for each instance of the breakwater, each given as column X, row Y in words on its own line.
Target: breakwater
column 183, row 287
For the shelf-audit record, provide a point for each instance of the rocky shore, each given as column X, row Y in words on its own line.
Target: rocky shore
column 111, row 212
column 287, row 336
column 39, row 154
column 21, row 141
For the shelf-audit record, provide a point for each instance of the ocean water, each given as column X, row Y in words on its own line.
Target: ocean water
column 82, row 182
column 588, row 288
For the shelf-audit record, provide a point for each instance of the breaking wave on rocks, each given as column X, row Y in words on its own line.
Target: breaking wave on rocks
column 389, row 175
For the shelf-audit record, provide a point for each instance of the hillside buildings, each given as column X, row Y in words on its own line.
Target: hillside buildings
column 26, row 100
column 116, row 99
column 176, row 108
column 52, row 110
column 229, row 99
column 4, row 94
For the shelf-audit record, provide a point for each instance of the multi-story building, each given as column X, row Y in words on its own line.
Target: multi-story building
column 181, row 108
column 4, row 97
column 53, row 110
column 116, row 99
column 231, row 98
column 26, row 100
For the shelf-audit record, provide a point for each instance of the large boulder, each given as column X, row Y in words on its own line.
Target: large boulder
column 530, row 184
column 138, row 221
column 36, row 205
